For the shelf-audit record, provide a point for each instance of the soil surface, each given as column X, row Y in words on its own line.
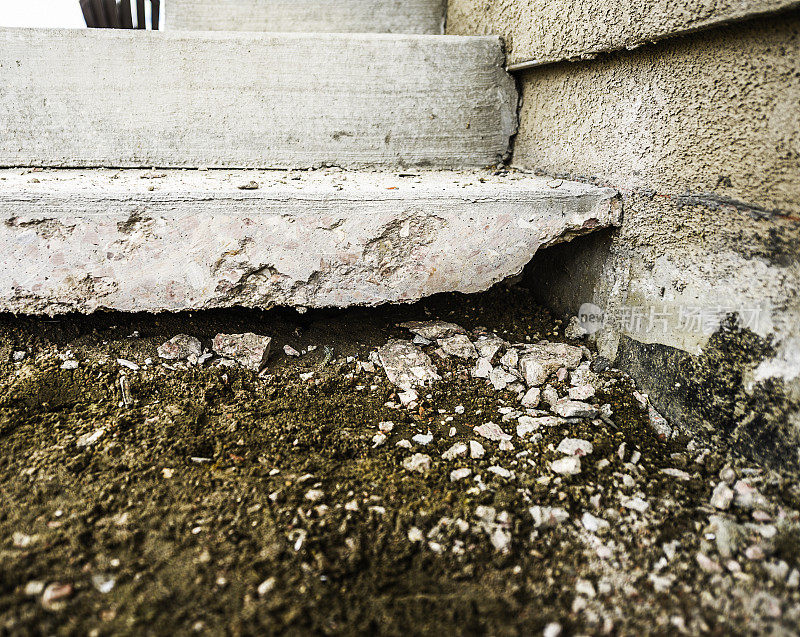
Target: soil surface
column 146, row 496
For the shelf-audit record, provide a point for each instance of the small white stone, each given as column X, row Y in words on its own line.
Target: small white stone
column 546, row 517
column 635, row 504
column 593, row 524
column 526, row 426
column 460, row 474
column 553, row 629
column 582, row 392
column 129, row 364
column 458, row 345
column 419, row 462
column 386, row 426
column 314, row 495
column 676, row 473
column 378, row 440
column 18, row 356
column 585, row 587
column 491, row 431
column 404, row 444
column 510, row 359
column 290, row 351
column 459, row 409
column 266, row 586
column 415, row 534
column 570, row 465
column 458, row 449
column 574, row 409
column 500, row 378
column 70, row 364
column 482, row 368
column 499, row 471
column 531, row 398
column 423, row 439
column 722, row 496
column 505, row 445
column 575, row 447
column 476, row 449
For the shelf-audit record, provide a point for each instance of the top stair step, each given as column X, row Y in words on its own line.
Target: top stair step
column 309, row 16
column 115, row 98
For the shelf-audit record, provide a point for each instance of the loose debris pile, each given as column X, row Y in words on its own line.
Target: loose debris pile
column 449, row 479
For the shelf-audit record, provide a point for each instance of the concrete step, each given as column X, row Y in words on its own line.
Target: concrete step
column 309, row 16
column 132, row 240
column 101, row 97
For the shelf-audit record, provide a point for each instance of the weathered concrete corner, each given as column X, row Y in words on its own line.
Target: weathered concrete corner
column 86, row 240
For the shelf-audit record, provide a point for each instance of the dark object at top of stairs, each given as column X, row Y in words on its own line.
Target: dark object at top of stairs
column 117, row 14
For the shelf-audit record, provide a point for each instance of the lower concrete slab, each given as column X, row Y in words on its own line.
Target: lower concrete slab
column 134, row 240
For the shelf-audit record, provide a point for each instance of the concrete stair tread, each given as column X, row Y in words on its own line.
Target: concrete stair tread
column 101, row 97
column 134, row 240
column 335, row 16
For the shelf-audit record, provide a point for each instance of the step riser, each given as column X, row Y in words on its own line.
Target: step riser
column 135, row 99
column 309, row 16
column 80, row 248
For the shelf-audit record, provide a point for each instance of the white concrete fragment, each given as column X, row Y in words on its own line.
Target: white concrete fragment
column 458, row 345
column 500, row 378
column 574, row 409
column 476, row 449
column 483, row 368
column 260, row 100
column 538, row 361
column 491, row 431
column 248, row 349
column 460, row 474
column 545, row 516
column 722, row 496
column 458, row 449
column 406, row 365
column 568, row 465
column 86, row 240
column 531, row 398
column 593, row 524
column 575, row 447
column 433, row 330
column 419, row 462
column 488, row 346
column 308, row 16
column 180, row 347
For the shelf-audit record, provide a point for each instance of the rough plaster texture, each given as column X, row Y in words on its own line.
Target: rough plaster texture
column 702, row 137
column 538, row 32
column 717, row 113
column 309, row 16
column 83, row 240
column 133, row 99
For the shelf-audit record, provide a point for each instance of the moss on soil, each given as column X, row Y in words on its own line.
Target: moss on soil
column 199, row 491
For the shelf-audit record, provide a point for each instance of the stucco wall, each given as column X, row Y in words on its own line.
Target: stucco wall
column 701, row 134
column 539, row 31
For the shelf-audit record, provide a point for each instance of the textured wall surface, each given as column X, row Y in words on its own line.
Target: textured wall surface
column 308, row 16
column 546, row 31
column 701, row 134
column 133, row 99
column 715, row 113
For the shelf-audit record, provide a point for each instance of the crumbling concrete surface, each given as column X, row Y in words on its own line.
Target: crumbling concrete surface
column 150, row 241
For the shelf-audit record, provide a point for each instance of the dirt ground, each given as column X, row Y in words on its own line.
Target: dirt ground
column 204, row 499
